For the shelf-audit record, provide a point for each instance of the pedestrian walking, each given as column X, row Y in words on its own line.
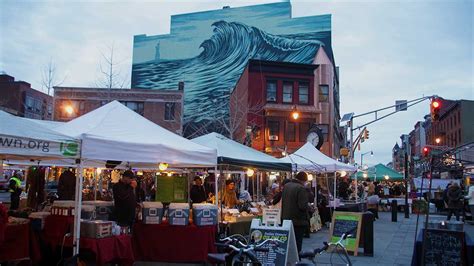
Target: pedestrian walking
column 455, row 202
column 295, row 206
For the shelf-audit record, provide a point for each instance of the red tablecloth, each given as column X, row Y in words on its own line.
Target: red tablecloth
column 20, row 243
column 55, row 227
column 115, row 249
column 168, row 243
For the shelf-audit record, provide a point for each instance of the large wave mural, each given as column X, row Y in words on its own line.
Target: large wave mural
column 210, row 75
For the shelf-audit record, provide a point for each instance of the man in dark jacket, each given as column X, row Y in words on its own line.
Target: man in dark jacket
column 295, row 206
column 197, row 193
column 455, row 202
column 67, row 185
column 124, row 200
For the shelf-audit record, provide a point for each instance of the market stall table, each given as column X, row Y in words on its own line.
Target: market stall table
column 169, row 243
column 55, row 228
column 19, row 244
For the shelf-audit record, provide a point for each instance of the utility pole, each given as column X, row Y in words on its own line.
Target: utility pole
column 407, row 209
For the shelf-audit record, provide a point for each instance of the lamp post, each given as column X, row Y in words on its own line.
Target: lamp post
column 362, row 168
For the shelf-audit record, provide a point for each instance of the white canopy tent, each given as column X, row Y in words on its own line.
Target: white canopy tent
column 308, row 158
column 24, row 139
column 113, row 132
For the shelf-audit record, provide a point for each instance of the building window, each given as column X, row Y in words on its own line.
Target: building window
column 303, row 93
column 323, row 93
column 137, row 107
column 38, row 105
column 271, row 91
column 29, row 103
column 304, row 128
column 291, row 132
column 50, row 109
column 273, row 130
column 169, row 111
column 287, row 92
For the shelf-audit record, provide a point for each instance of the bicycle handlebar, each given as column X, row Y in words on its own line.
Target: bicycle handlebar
column 247, row 248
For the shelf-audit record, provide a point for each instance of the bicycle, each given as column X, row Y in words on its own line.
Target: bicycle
column 241, row 253
column 328, row 248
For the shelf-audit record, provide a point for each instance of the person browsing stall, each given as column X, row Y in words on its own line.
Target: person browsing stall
column 197, row 193
column 295, row 206
column 124, row 200
column 229, row 198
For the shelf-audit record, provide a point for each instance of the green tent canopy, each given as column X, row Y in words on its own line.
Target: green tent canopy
column 379, row 172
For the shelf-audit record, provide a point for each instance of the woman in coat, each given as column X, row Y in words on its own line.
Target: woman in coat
column 455, row 200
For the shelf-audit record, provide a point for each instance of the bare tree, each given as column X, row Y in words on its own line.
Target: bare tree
column 49, row 78
column 110, row 74
column 237, row 115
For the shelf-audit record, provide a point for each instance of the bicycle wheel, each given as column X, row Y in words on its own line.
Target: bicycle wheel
column 334, row 255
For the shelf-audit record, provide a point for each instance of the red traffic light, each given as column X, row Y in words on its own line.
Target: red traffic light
column 426, row 151
column 435, row 106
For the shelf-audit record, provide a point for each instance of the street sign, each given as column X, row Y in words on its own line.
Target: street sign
column 401, row 105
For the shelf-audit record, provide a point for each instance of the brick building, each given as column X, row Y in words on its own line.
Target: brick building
column 163, row 107
column 267, row 93
column 18, row 98
column 455, row 126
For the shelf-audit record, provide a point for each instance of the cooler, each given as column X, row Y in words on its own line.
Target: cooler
column 96, row 229
column 152, row 212
column 178, row 214
column 103, row 209
column 37, row 220
column 204, row 214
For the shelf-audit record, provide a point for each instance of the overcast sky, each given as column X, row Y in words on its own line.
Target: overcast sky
column 386, row 50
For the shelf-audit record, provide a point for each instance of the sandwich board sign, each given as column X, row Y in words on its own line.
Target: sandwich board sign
column 343, row 222
column 281, row 253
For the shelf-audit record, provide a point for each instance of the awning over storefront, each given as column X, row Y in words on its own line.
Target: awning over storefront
column 233, row 153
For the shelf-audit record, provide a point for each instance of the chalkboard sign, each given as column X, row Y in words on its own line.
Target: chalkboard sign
column 443, row 247
column 343, row 222
column 279, row 254
column 171, row 189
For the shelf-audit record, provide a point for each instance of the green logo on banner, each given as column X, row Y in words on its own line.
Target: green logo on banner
column 69, row 148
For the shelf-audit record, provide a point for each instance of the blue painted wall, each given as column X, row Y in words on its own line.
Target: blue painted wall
column 209, row 50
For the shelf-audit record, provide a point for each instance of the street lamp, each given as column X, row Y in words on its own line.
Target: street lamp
column 295, row 114
column 362, row 157
column 69, row 110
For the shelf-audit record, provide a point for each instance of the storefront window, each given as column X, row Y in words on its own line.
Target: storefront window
column 273, row 129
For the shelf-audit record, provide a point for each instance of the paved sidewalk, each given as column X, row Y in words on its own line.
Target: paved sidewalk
column 393, row 242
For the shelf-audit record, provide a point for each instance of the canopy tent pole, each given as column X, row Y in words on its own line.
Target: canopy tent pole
column 335, row 191
column 95, row 184
column 78, row 208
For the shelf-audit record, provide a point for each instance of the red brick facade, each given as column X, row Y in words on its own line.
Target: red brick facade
column 18, row 98
column 163, row 107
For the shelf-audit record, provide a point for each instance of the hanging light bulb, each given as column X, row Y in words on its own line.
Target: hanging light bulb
column 386, row 177
column 250, row 172
column 99, row 170
column 310, row 177
column 169, row 174
column 343, row 173
column 163, row 166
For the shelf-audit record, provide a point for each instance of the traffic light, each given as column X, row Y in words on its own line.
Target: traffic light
column 426, row 151
column 435, row 106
